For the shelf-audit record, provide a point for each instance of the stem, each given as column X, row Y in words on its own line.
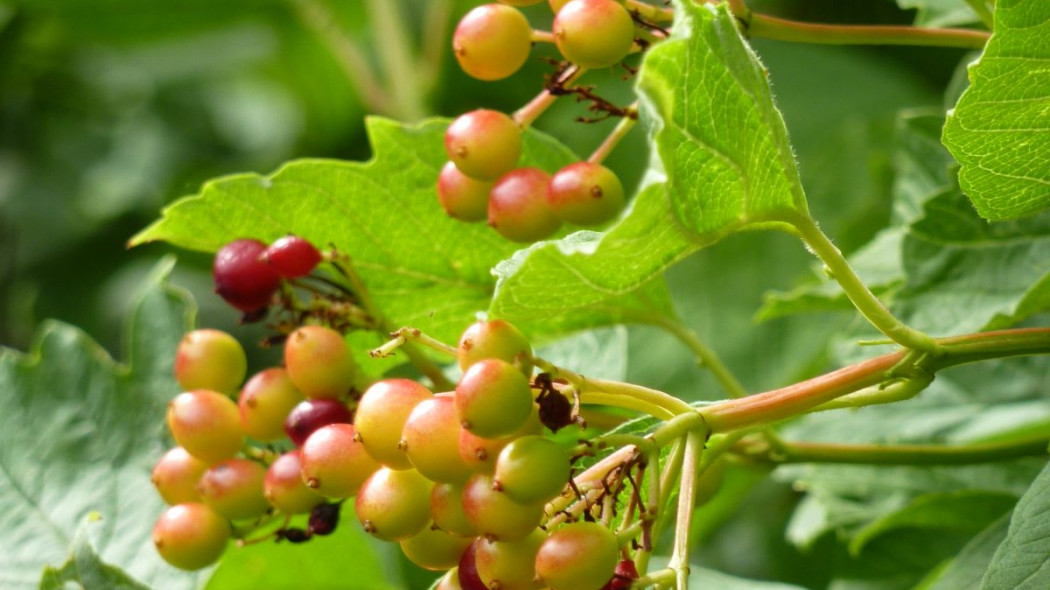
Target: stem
column 434, row 40
column 808, row 452
column 705, row 356
column 649, row 11
column 527, row 115
column 657, row 578
column 863, row 299
column 694, row 448
column 356, row 69
column 879, row 394
column 657, row 398
column 395, row 54
column 982, row 11
column 616, row 136
column 542, row 36
column 770, row 27
column 401, row 336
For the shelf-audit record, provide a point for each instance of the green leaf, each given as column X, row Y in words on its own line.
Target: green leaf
column 967, row 569
column 421, row 267
column 85, row 569
column 722, row 148
column 1022, row 561
column 702, row 577
column 998, row 129
column 80, row 436
column 940, row 13
column 601, row 354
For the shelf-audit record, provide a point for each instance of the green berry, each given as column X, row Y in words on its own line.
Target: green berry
column 319, row 362
column 394, row 505
column 210, row 359
column 176, row 475
column 266, row 400
column 284, row 487
column 234, row 488
column 593, row 33
column 532, row 469
column 191, row 536
column 483, row 144
column 381, row 415
column 434, row 549
column 492, row 41
column 493, row 399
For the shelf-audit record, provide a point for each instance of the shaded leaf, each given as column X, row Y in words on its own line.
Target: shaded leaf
column 85, row 569
column 940, row 13
column 967, row 569
column 1022, row 561
column 998, row 131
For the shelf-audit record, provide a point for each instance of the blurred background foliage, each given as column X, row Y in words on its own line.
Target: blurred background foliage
column 111, row 109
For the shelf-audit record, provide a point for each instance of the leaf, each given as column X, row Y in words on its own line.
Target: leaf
column 702, row 577
column 967, row 569
column 81, row 434
column 722, row 147
column 85, row 569
column 601, row 354
column 1022, row 561
column 421, row 267
column 940, row 13
column 998, row 131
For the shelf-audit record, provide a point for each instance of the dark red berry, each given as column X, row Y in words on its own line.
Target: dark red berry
column 311, row 415
column 293, row 535
column 468, row 570
column 241, row 278
column 324, row 518
column 623, row 576
column 292, row 257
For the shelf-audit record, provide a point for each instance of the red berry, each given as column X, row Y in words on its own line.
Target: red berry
column 518, row 206
column 461, row 196
column 292, row 257
column 468, row 570
column 312, row 414
column 492, row 41
column 578, row 556
column 234, row 488
column 585, row 194
column 241, row 278
column 483, row 144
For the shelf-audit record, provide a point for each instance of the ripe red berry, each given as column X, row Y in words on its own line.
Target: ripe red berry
column 241, row 278
column 518, row 206
column 593, row 33
column 468, row 570
column 585, row 194
column 191, row 536
column 312, row 414
column 492, row 41
column 484, row 144
column 210, row 359
column 461, row 196
column 292, row 257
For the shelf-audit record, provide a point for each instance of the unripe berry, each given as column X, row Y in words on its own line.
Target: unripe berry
column 210, row 359
column 578, row 556
column 450, row 581
column 461, row 196
column 319, row 362
column 292, row 257
column 381, row 415
column 334, row 464
column 446, row 508
column 312, row 414
column 394, row 505
column 494, row 515
column 518, row 206
column 191, row 536
column 556, row 5
column 532, row 469
column 284, row 487
column 593, row 33
column 585, row 194
column 492, row 41
column 265, row 402
column 494, row 339
column 434, row 549
column 234, row 488
column 493, row 399
column 520, row 2
column 481, row 453
column 509, row 565
column 430, row 438
column 241, row 278
column 206, row 424
column 176, row 475
column 483, row 144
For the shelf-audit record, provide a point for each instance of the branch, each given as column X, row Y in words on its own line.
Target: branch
column 760, row 25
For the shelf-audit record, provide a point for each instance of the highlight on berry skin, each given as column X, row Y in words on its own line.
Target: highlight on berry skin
column 492, row 41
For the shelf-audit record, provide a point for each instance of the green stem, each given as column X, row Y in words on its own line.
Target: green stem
column 657, row 578
column 919, row 454
column 395, row 53
column 434, row 42
column 761, row 25
column 705, row 356
column 649, row 11
column 694, row 448
column 863, row 299
column 983, row 12
column 665, row 486
column 652, row 396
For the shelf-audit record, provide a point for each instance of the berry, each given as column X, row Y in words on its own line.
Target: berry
column 495, row 515
column 624, row 575
column 578, row 556
column 468, row 570
column 434, row 549
column 394, row 505
column 284, row 487
column 292, row 257
column 210, row 359
column 309, row 415
column 234, row 488
column 518, row 206
column 333, row 463
column 532, row 469
column 492, row 41
column 206, row 424
column 430, row 438
column 176, row 475
column 265, row 402
column 461, row 196
column 509, row 565
column 556, row 5
column 241, row 278
column 481, row 453
column 324, row 518
column 319, row 362
column 493, row 399
column 191, row 536
column 585, row 194
column 494, row 339
column 446, row 508
column 450, row 581
column 483, row 144
column 593, row 33
column 520, row 2
column 381, row 415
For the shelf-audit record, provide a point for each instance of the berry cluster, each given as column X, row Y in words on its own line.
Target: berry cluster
column 481, row 181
